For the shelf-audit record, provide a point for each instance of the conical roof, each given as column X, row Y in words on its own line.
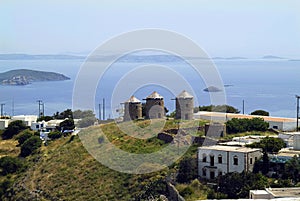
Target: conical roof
column 154, row 95
column 184, row 94
column 133, row 99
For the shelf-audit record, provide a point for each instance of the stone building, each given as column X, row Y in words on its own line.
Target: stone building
column 184, row 106
column 132, row 109
column 154, row 108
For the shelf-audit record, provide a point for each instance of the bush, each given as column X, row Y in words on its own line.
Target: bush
column 260, row 112
column 10, row 165
column 54, row 135
column 67, row 124
column 13, row 128
column 269, row 144
column 30, row 146
column 24, row 136
column 243, row 125
column 187, row 170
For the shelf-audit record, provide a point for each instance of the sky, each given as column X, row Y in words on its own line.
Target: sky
column 248, row 28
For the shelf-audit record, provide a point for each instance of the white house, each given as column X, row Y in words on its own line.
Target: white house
column 278, row 123
column 218, row 160
column 4, row 123
column 27, row 119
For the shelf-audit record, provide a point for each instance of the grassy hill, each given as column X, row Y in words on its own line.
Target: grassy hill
column 64, row 170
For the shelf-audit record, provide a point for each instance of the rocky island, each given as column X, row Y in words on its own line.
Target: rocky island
column 25, row 77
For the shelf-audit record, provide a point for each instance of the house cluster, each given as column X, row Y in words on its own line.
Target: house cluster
column 155, row 109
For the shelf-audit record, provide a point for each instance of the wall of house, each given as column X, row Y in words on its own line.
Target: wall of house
column 245, row 161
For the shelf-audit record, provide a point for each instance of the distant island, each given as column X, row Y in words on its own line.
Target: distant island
column 212, row 89
column 39, row 57
column 272, row 57
column 25, row 77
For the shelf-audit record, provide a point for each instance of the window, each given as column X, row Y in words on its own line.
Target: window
column 275, row 127
column 159, row 115
column 204, row 172
column 212, row 175
column 187, row 105
column 255, row 159
column 204, row 158
column 220, row 173
column 186, row 116
column 220, row 158
column 37, row 126
column 251, row 161
column 212, row 160
column 235, row 160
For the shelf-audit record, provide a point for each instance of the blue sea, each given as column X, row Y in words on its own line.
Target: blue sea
column 270, row 85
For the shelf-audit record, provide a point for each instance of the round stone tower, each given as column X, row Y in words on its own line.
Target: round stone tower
column 184, row 106
column 155, row 107
column 133, row 109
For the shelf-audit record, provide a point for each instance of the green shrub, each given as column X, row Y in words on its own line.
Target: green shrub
column 30, row 146
column 24, row 136
column 13, row 128
column 10, row 165
column 54, row 135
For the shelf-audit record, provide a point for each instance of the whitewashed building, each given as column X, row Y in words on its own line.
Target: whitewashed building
column 27, row 119
column 218, row 160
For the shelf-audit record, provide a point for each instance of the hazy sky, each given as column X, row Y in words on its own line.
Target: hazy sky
column 248, row 28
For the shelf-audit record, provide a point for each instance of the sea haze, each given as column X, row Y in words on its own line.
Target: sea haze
column 269, row 84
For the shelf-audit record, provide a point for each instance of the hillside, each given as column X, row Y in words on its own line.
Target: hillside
column 25, row 76
column 64, row 170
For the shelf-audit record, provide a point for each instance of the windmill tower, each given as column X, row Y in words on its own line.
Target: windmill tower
column 184, row 106
column 155, row 107
column 133, row 109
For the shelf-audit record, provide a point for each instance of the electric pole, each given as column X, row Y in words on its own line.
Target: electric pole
column 243, row 106
column 99, row 111
column 103, row 109
column 40, row 103
column 297, row 125
column 2, row 105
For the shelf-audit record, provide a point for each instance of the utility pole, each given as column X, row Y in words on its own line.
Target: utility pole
column 40, row 103
column 297, row 125
column 43, row 104
column 243, row 106
column 99, row 111
column 103, row 109
column 2, row 104
column 13, row 107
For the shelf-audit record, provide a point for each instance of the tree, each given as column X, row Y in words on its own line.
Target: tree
column 45, row 118
column 237, row 185
column 78, row 114
column 63, row 115
column 269, row 144
column 87, row 121
column 219, row 108
column 10, row 165
column 260, row 112
column 187, row 170
column 292, row 169
column 13, row 128
column 67, row 124
column 236, row 125
column 30, row 146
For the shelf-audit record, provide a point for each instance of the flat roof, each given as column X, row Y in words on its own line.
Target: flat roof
column 284, row 192
column 229, row 148
column 259, row 192
column 245, row 116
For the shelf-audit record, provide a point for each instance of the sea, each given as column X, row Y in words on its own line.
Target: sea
column 267, row 84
